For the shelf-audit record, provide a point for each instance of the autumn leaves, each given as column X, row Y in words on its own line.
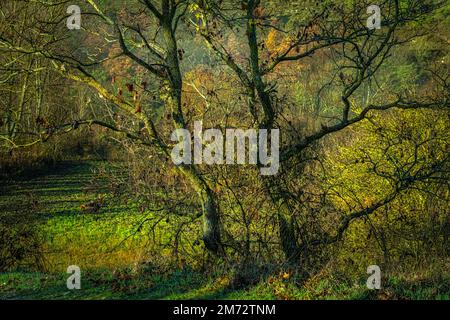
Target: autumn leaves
column 130, row 92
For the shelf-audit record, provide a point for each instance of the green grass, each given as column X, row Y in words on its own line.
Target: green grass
column 184, row 284
column 73, row 237
column 106, row 246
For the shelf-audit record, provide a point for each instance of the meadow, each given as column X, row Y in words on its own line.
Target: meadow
column 106, row 245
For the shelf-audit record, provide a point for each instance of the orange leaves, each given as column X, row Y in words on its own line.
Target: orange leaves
column 276, row 45
column 280, row 285
column 137, row 102
column 271, row 41
column 130, row 91
column 258, row 13
column 138, row 108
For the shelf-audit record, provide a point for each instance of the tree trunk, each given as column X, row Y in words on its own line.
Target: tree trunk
column 286, row 230
column 211, row 217
column 210, row 209
column 211, row 223
column 288, row 240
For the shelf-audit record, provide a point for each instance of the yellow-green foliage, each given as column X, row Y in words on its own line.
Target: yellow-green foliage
column 378, row 161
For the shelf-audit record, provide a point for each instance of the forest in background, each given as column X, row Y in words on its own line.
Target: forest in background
column 87, row 179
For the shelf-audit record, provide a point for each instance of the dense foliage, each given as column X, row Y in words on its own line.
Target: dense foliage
column 363, row 116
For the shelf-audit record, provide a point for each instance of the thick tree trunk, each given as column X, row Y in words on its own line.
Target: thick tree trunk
column 286, row 230
column 210, row 210
column 211, row 223
column 288, row 240
column 211, row 216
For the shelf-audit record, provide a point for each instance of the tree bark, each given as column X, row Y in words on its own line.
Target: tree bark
column 210, row 207
column 211, row 223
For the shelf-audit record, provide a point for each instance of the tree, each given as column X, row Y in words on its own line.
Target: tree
column 145, row 38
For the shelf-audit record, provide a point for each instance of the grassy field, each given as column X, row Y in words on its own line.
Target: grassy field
column 106, row 246
column 71, row 236
column 184, row 284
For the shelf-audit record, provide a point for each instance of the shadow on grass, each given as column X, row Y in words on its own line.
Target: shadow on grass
column 98, row 286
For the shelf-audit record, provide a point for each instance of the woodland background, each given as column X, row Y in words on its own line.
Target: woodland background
column 86, row 176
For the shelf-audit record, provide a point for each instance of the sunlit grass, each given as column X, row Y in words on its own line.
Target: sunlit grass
column 107, row 246
column 70, row 236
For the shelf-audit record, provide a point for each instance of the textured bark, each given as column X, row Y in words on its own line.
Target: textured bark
column 210, row 210
column 210, row 215
column 288, row 240
column 211, row 223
